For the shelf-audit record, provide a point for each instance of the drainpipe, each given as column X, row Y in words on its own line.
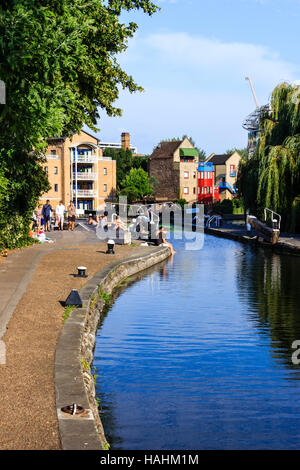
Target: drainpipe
column 76, row 155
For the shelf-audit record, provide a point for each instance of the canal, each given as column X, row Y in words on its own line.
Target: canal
column 196, row 354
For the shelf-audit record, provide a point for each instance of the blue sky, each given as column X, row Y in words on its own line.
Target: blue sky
column 192, row 58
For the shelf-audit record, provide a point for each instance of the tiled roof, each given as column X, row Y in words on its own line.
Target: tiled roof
column 165, row 149
column 219, row 159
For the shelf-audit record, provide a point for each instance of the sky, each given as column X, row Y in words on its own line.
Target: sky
column 192, row 58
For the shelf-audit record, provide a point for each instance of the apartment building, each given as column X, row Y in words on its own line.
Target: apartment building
column 78, row 171
column 175, row 165
column 225, row 169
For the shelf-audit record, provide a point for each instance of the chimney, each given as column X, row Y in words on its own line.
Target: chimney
column 125, row 140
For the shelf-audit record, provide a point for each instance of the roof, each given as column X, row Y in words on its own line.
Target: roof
column 165, row 149
column 219, row 159
column 71, row 134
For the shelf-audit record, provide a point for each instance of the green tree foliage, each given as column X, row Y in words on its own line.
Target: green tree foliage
column 272, row 177
column 137, row 185
column 124, row 162
column 243, row 152
column 58, row 60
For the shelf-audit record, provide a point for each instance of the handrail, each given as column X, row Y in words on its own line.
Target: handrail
column 272, row 215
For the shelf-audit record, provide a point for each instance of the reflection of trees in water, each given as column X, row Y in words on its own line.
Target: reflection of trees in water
column 269, row 283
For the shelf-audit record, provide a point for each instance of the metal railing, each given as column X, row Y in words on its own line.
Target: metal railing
column 84, row 175
column 214, row 218
column 275, row 222
column 84, row 158
column 84, row 192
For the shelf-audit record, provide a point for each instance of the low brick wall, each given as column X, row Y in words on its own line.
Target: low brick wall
column 74, row 382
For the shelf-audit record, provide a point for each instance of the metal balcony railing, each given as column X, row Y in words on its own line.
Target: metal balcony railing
column 85, row 158
column 84, row 176
column 84, row 192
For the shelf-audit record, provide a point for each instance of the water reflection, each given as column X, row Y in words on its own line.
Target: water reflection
column 196, row 355
column 268, row 284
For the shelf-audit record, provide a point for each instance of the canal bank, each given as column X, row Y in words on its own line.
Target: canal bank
column 287, row 243
column 74, row 379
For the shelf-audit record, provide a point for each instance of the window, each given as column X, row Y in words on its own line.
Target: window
column 53, row 152
column 186, row 174
column 105, row 188
column 46, row 170
column 105, row 171
column 194, row 174
column 56, row 188
column 194, row 190
column 186, row 191
column 232, row 171
column 56, row 170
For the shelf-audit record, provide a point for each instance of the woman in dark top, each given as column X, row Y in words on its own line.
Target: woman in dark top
column 161, row 238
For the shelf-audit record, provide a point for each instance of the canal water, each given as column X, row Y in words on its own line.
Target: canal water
column 196, row 354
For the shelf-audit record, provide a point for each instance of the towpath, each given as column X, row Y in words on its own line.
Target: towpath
column 33, row 282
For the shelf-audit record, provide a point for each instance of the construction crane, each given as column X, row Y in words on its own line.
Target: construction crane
column 251, row 123
column 253, row 91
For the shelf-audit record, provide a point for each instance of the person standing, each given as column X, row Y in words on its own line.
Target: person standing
column 60, row 214
column 38, row 213
column 71, row 216
column 46, row 212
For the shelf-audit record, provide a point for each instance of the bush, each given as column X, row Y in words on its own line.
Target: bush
column 224, row 207
column 181, row 202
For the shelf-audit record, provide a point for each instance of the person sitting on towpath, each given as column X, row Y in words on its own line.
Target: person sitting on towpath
column 161, row 239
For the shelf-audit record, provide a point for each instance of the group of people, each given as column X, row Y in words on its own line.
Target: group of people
column 140, row 226
column 101, row 221
column 45, row 218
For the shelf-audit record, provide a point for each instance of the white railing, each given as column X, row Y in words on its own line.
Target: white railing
column 84, row 176
column 214, row 218
column 84, row 192
column 275, row 222
column 84, row 158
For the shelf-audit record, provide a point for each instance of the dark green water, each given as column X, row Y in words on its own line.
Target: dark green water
column 197, row 353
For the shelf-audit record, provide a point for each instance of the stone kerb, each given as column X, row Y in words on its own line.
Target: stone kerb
column 74, row 381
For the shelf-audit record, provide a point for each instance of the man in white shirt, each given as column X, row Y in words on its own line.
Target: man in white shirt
column 60, row 214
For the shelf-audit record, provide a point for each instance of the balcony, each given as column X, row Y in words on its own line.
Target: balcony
column 84, row 176
column 84, row 193
column 85, row 158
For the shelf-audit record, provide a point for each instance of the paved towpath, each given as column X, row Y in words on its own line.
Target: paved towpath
column 33, row 282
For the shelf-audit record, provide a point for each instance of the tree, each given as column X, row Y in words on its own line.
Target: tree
column 58, row 62
column 243, row 152
column 125, row 161
column 272, row 177
column 137, row 185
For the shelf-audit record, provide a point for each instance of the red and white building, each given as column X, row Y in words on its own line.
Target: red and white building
column 207, row 192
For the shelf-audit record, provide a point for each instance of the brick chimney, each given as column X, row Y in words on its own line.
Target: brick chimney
column 125, row 140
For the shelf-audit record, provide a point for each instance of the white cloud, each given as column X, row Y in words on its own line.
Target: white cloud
column 194, row 85
column 214, row 56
